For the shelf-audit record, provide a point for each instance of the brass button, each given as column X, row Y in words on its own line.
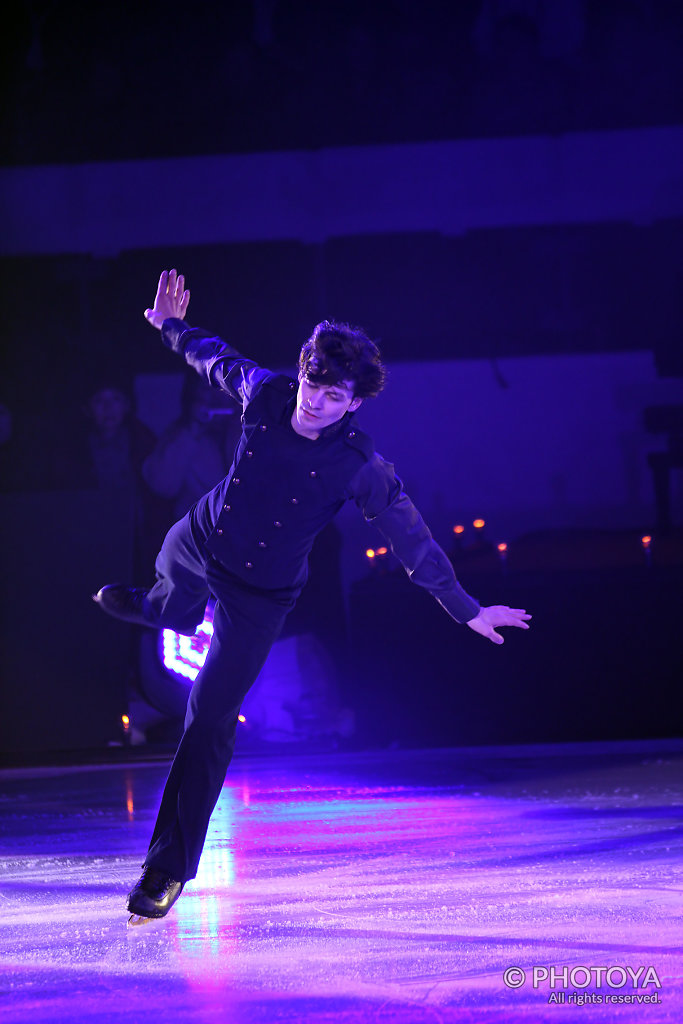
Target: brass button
column 227, row 508
column 262, row 544
column 313, row 473
column 263, row 426
column 351, row 433
column 219, row 531
column 248, row 565
column 249, row 454
column 292, row 384
column 295, row 501
column 235, row 480
column 277, row 524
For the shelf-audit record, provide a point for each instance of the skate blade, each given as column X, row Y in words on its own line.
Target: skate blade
column 137, row 921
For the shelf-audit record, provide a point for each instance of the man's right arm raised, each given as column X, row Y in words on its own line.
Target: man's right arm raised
column 221, row 365
column 218, row 363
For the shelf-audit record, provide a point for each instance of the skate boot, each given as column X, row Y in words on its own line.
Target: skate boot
column 152, row 896
column 127, row 603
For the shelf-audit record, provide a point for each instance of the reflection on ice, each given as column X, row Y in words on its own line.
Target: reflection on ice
column 395, row 886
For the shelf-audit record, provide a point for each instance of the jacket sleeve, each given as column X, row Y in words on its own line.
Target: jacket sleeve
column 214, row 360
column 379, row 494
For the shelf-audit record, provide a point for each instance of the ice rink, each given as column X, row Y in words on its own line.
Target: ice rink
column 389, row 886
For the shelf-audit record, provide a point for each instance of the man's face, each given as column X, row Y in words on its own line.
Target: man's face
column 108, row 408
column 320, row 405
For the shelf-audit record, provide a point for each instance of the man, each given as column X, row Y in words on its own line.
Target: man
column 299, row 459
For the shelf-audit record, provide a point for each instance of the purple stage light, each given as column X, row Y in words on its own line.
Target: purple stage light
column 183, row 656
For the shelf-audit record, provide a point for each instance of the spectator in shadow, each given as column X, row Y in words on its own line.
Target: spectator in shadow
column 104, row 444
column 104, row 450
column 190, row 456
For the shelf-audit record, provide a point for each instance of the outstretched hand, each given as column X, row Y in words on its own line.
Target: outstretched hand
column 498, row 615
column 171, row 299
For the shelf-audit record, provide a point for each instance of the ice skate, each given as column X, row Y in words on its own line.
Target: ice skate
column 152, row 897
column 137, row 920
column 126, row 603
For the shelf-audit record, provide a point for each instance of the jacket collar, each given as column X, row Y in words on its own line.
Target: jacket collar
column 327, row 432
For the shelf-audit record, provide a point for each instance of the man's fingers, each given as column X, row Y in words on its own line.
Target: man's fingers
column 180, row 288
column 162, row 286
column 515, row 617
column 515, row 620
column 495, row 616
column 184, row 303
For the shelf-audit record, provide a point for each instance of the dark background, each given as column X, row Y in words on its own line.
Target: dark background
column 86, row 84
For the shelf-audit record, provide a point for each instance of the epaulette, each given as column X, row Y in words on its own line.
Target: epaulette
column 282, row 382
column 358, row 439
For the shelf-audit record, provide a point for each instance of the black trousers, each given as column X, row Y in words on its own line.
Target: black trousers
column 246, row 623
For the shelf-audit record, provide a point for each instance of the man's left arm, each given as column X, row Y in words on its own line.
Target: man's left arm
column 379, row 494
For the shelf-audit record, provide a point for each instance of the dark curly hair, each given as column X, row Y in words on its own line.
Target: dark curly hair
column 337, row 352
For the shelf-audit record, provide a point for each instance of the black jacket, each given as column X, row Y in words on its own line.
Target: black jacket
column 261, row 521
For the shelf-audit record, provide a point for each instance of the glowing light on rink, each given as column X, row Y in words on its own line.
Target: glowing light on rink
column 458, row 528
column 185, row 655
column 479, row 524
column 370, row 554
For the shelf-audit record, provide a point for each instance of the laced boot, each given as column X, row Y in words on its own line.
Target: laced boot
column 127, row 603
column 153, row 894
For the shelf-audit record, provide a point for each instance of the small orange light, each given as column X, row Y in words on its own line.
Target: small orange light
column 382, row 551
column 370, row 553
column 458, row 529
column 478, row 524
column 125, row 721
column 646, row 541
column 130, row 807
column 241, row 718
column 502, row 547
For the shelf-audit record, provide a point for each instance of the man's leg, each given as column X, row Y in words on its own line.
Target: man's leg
column 178, row 598
column 246, row 624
